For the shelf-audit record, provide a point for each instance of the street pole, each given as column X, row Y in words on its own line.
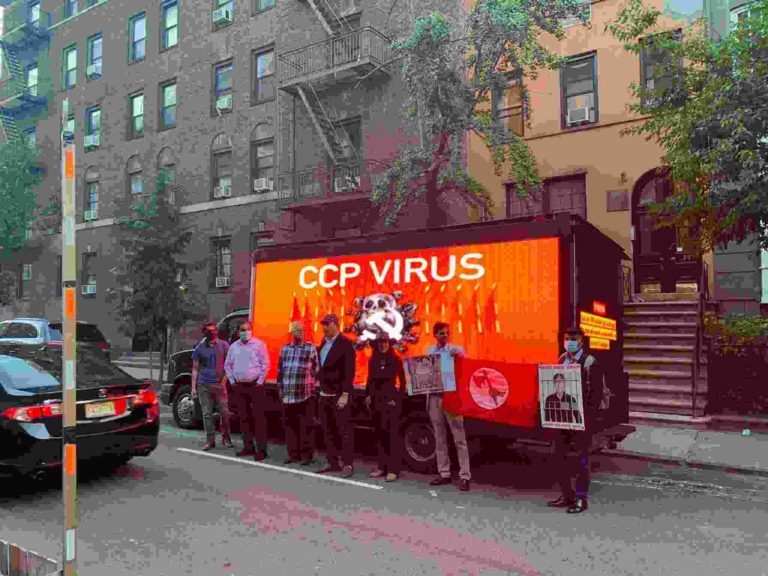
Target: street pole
column 69, row 314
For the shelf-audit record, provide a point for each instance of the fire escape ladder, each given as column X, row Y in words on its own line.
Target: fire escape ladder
column 315, row 5
column 316, row 120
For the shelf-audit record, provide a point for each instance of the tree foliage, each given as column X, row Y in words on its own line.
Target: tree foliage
column 452, row 68
column 712, row 124
column 18, row 177
column 151, row 293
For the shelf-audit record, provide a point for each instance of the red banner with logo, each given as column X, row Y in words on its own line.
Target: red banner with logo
column 495, row 391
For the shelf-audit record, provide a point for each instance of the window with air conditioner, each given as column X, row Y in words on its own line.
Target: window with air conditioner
column 91, row 212
column 223, row 12
column 578, row 82
column 222, row 174
column 88, row 274
column 95, row 56
column 262, row 164
column 221, row 263
column 92, row 128
column 586, row 10
column 223, row 85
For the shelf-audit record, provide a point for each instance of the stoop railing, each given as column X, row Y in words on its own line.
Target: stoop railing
column 16, row 561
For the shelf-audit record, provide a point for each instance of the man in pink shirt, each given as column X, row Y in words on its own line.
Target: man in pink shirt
column 246, row 367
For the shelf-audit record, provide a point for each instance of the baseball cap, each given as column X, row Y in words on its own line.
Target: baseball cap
column 574, row 331
column 330, row 319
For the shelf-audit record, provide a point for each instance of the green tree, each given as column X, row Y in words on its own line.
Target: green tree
column 18, row 177
column 712, row 124
column 452, row 69
column 151, row 293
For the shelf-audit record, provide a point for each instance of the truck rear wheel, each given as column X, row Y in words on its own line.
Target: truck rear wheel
column 185, row 408
column 419, row 441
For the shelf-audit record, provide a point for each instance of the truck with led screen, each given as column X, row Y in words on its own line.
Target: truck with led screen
column 508, row 290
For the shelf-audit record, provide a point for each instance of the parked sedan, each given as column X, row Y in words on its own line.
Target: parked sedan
column 118, row 416
column 40, row 331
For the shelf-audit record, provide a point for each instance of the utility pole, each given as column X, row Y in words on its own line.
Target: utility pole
column 69, row 315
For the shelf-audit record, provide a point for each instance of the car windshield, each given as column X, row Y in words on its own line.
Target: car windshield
column 44, row 363
column 84, row 333
column 18, row 330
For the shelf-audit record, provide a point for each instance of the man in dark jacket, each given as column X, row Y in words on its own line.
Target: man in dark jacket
column 572, row 447
column 336, row 377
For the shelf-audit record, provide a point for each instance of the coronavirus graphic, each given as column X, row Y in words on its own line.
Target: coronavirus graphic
column 381, row 315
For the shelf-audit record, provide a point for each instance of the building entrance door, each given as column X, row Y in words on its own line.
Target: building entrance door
column 661, row 263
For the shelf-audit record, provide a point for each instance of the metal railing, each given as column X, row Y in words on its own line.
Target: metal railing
column 345, row 178
column 16, row 561
column 15, row 93
column 626, row 282
column 703, row 298
column 24, row 19
column 335, row 52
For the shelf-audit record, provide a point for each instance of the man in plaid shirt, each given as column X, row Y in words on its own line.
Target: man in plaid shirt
column 297, row 379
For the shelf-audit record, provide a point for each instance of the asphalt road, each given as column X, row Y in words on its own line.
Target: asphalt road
column 183, row 512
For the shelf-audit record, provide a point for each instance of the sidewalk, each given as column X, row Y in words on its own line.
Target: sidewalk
column 731, row 451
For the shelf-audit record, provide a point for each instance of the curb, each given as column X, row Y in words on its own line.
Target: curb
column 686, row 464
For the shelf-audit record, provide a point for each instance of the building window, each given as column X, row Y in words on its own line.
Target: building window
column 92, row 128
column 136, row 106
column 578, row 91
column 91, row 200
column 170, row 31
column 221, row 263
column 222, row 166
column 574, row 20
column 508, row 106
column 166, row 164
column 70, row 8
column 564, row 194
column 71, row 124
column 222, row 87
column 25, row 277
column 138, row 32
column 659, row 73
column 223, row 12
column 32, row 137
column 263, row 159
column 741, row 13
column 32, row 80
column 262, row 238
column 263, row 76
column 261, row 5
column 70, row 67
column 95, row 56
column 135, row 176
column 168, row 105
column 88, row 274
column 34, row 14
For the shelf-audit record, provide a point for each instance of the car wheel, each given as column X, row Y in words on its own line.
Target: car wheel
column 184, row 409
column 419, row 440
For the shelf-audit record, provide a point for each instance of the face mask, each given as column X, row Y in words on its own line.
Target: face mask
column 572, row 346
column 245, row 335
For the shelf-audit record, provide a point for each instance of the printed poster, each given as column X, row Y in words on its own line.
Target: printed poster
column 561, row 401
column 423, row 375
column 449, row 372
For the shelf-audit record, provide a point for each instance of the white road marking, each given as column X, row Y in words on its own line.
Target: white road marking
column 282, row 469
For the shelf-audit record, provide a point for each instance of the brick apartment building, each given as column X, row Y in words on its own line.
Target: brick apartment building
column 253, row 106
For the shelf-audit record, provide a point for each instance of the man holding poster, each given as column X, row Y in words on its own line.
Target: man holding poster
column 442, row 420
column 572, row 447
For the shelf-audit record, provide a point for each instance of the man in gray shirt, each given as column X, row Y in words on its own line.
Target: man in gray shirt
column 442, row 420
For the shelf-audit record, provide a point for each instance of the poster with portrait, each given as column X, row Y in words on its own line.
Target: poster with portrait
column 561, row 401
column 423, row 375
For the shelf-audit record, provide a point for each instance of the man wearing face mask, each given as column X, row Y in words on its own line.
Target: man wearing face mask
column 247, row 366
column 572, row 447
column 207, row 384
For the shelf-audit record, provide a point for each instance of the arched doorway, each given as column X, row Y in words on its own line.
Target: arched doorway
column 661, row 263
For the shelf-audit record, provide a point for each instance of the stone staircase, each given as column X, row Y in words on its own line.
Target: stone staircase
column 659, row 351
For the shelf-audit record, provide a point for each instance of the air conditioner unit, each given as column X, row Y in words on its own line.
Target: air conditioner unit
column 577, row 115
column 92, row 140
column 346, row 184
column 222, row 16
column 222, row 282
column 224, row 103
column 93, row 70
column 88, row 289
column 222, row 192
column 90, row 215
column 262, row 185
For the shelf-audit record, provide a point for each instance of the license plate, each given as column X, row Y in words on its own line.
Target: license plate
column 100, row 409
